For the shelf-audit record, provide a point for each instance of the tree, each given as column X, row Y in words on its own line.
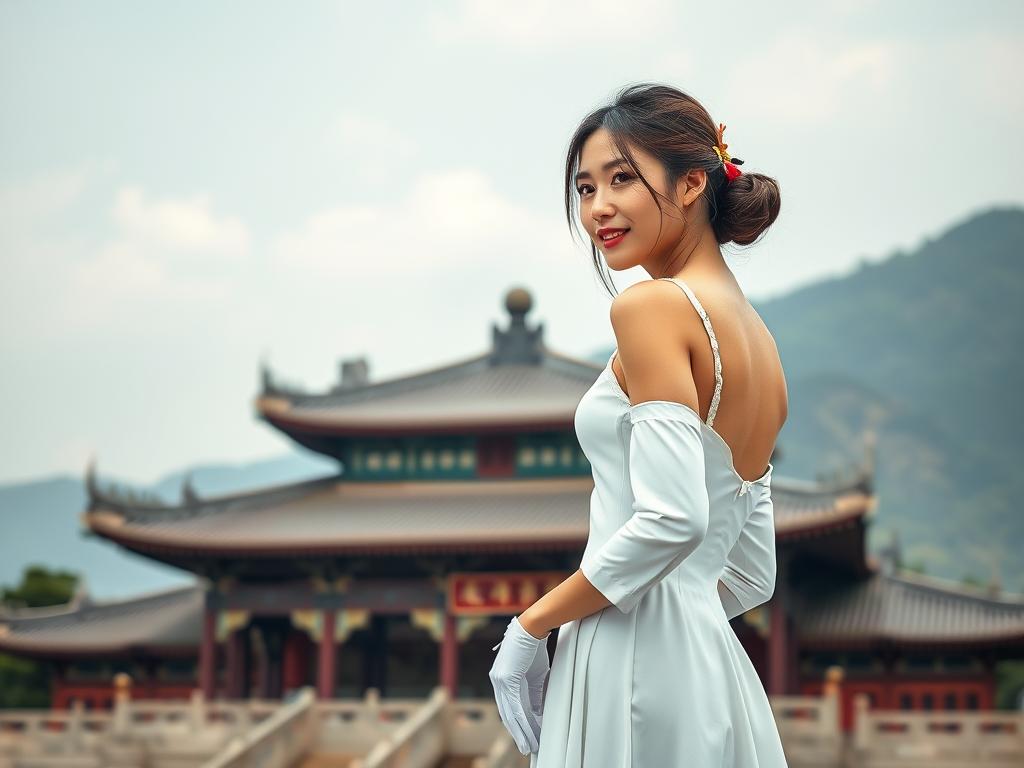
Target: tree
column 23, row 682
column 40, row 587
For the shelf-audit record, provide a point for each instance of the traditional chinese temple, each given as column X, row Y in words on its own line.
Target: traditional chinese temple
column 461, row 496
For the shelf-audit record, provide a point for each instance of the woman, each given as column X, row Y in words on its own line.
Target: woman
column 681, row 521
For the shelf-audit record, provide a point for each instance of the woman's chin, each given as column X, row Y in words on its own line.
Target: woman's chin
column 616, row 263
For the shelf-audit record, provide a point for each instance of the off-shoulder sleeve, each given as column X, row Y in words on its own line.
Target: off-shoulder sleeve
column 748, row 578
column 670, row 507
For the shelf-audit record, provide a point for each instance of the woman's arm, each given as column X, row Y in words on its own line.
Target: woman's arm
column 748, row 579
column 574, row 598
column 670, row 508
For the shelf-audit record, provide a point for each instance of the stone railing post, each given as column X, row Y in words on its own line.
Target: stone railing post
column 75, row 725
column 861, row 722
column 832, row 692
column 197, row 710
column 122, row 721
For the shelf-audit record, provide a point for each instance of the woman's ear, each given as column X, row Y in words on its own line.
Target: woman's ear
column 690, row 185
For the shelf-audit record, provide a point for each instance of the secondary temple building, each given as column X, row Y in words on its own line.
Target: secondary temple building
column 462, row 496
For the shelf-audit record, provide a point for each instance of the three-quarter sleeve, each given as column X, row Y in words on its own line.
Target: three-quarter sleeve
column 670, row 505
column 748, row 578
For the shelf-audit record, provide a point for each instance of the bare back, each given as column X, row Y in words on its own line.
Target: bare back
column 752, row 395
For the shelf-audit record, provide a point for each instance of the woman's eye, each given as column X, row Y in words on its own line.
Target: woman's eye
column 582, row 189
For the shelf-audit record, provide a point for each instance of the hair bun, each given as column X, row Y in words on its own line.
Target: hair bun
column 747, row 206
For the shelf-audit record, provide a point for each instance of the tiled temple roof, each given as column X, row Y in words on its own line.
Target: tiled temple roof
column 907, row 608
column 332, row 516
column 518, row 382
column 471, row 393
column 159, row 620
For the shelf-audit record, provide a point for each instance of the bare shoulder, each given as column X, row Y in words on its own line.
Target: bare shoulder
column 644, row 299
column 653, row 336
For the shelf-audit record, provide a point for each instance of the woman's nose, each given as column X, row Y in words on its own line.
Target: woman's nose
column 601, row 205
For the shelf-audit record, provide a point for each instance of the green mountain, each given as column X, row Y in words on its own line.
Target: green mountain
column 919, row 348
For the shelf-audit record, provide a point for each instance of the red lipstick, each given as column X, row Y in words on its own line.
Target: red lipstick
column 611, row 242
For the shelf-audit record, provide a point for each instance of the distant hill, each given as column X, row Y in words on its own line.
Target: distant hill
column 39, row 523
column 919, row 346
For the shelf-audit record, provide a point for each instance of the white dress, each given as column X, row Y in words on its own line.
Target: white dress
column 659, row 679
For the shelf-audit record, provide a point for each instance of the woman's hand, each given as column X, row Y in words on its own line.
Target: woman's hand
column 537, row 677
column 518, row 676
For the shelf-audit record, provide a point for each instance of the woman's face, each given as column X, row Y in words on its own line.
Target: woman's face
column 613, row 198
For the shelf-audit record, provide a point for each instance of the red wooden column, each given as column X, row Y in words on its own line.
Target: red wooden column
column 450, row 656
column 325, row 660
column 235, row 663
column 263, row 666
column 294, row 667
column 793, row 656
column 778, row 637
column 207, row 652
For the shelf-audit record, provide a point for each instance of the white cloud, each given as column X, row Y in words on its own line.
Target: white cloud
column 567, row 23
column 449, row 219
column 803, row 79
column 149, row 264
column 183, row 226
column 123, row 281
column 30, row 207
column 61, row 281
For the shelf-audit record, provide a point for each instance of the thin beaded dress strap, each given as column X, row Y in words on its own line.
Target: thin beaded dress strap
column 714, row 345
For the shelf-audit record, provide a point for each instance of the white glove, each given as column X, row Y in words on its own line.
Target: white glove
column 537, row 677
column 512, row 689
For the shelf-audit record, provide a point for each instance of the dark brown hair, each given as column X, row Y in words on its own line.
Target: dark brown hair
column 676, row 129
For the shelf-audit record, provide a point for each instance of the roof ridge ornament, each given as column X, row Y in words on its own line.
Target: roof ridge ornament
column 91, row 486
column 189, row 496
column 517, row 344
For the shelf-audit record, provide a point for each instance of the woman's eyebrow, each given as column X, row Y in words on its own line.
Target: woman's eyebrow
column 607, row 166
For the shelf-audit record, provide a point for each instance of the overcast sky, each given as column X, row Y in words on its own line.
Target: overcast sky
column 188, row 188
